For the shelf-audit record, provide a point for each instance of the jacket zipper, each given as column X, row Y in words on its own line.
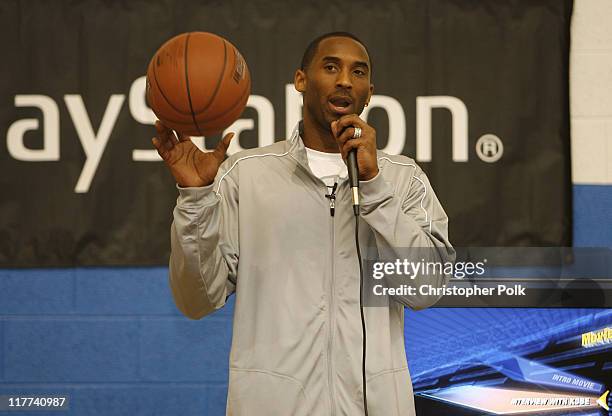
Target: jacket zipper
column 332, row 208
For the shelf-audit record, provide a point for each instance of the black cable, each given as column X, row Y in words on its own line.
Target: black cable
column 363, row 327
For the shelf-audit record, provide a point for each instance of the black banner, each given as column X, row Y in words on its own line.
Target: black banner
column 475, row 92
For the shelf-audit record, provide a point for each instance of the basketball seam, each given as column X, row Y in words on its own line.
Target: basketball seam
column 164, row 95
column 218, row 86
column 166, row 98
column 244, row 95
column 187, row 85
column 233, row 107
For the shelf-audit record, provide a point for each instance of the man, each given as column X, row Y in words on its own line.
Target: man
column 265, row 225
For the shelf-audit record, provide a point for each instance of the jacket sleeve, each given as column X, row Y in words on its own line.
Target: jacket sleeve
column 408, row 223
column 204, row 246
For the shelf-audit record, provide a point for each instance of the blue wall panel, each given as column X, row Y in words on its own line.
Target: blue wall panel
column 593, row 215
column 36, row 292
column 124, row 291
column 66, row 350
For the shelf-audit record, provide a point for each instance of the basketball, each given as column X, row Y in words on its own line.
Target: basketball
column 198, row 83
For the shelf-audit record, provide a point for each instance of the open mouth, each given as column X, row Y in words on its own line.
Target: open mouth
column 341, row 104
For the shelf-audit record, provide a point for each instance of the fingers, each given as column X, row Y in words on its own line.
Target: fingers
column 160, row 148
column 342, row 136
column 351, row 144
column 345, row 137
column 334, row 129
column 163, row 132
column 165, row 135
column 343, row 129
column 346, row 134
column 165, row 139
column 345, row 126
column 221, row 148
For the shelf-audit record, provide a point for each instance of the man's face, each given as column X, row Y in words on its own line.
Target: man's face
column 337, row 81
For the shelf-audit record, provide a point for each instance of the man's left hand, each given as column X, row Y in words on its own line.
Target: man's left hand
column 343, row 130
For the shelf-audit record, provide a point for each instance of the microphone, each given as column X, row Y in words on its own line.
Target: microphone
column 353, row 172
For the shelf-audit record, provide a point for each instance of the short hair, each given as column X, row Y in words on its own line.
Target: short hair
column 311, row 49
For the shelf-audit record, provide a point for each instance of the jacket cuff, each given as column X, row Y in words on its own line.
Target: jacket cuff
column 375, row 189
column 196, row 196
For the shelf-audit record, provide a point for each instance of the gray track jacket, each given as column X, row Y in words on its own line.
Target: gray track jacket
column 264, row 231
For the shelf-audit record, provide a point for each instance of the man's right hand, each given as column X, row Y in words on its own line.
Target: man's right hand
column 189, row 165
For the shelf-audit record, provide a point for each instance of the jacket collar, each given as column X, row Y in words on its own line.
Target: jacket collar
column 297, row 150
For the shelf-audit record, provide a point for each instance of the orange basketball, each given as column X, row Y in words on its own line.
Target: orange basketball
column 198, row 83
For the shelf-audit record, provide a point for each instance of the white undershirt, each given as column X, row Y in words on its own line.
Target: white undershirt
column 328, row 167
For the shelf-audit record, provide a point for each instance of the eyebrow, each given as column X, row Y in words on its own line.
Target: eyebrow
column 337, row 60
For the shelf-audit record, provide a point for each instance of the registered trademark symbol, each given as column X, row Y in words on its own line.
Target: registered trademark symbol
column 489, row 148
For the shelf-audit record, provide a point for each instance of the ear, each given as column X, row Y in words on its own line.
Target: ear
column 299, row 81
column 370, row 94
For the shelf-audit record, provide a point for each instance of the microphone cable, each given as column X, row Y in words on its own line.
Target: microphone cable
column 363, row 326
column 353, row 173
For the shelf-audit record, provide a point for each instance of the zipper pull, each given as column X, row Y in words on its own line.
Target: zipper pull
column 332, row 202
column 332, row 199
